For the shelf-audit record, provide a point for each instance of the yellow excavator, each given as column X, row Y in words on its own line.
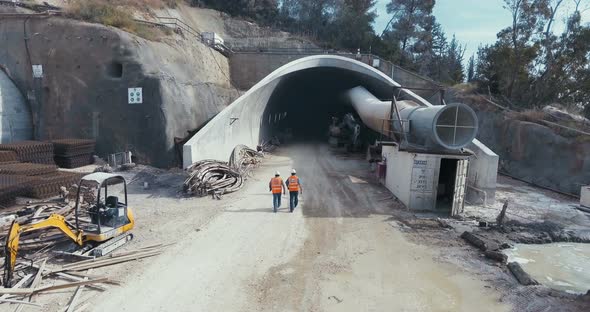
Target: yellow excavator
column 105, row 226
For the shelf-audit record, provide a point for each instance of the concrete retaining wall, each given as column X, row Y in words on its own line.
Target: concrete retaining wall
column 248, row 68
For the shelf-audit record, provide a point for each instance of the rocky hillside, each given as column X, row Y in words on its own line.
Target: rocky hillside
column 87, row 70
column 545, row 147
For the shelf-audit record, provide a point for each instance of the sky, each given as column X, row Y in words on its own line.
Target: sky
column 474, row 22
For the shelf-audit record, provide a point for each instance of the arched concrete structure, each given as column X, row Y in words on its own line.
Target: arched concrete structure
column 243, row 122
column 250, row 118
column 16, row 123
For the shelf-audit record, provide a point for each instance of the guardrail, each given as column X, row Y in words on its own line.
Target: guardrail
column 177, row 23
column 357, row 55
column 34, row 7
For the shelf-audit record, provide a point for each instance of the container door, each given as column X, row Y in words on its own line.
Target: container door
column 460, row 183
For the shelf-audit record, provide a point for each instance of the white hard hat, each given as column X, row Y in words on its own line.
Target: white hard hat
column 293, row 171
column 277, row 173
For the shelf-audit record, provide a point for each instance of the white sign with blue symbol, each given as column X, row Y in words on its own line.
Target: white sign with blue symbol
column 135, row 95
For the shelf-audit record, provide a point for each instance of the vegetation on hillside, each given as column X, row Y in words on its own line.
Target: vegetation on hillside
column 529, row 66
column 117, row 14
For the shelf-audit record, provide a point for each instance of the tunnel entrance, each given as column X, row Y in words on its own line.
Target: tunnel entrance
column 16, row 121
column 446, row 184
column 303, row 104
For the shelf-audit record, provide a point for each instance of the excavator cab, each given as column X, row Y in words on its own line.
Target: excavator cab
column 103, row 223
column 109, row 215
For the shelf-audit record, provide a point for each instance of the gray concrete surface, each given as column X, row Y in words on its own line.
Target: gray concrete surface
column 15, row 117
column 250, row 119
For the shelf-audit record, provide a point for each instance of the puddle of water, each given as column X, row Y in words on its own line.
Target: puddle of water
column 562, row 266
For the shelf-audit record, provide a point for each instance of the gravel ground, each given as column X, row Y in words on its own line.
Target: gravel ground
column 348, row 247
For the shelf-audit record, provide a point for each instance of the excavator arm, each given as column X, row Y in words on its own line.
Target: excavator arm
column 13, row 237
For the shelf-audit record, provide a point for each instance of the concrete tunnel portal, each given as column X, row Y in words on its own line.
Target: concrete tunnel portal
column 309, row 90
column 302, row 95
column 304, row 101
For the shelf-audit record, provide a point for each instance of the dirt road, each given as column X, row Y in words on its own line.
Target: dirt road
column 337, row 252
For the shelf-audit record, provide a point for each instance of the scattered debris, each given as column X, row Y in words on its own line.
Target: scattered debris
column 502, row 215
column 217, row 177
column 78, row 273
column 338, row 300
column 269, row 145
column 523, row 277
column 212, row 177
column 121, row 161
column 104, row 168
column 443, row 223
column 496, row 255
column 244, row 159
column 479, row 242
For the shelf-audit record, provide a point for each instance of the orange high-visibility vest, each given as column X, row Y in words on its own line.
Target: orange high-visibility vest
column 293, row 183
column 276, row 185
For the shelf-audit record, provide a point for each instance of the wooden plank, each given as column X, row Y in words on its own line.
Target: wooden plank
column 109, row 258
column 74, row 284
column 76, row 296
column 36, row 282
column 20, row 302
column 523, row 277
column 107, row 262
column 17, row 285
column 83, row 307
column 29, row 291
column 77, row 276
column 78, row 279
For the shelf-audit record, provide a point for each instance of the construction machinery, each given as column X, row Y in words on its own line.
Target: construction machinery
column 100, row 226
column 347, row 132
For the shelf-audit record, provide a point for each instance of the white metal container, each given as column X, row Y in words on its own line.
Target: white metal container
column 211, row 38
column 414, row 179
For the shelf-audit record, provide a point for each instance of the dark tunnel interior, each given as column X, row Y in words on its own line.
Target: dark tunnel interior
column 304, row 101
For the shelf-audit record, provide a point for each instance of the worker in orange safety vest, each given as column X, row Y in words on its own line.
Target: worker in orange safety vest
column 294, row 187
column 276, row 186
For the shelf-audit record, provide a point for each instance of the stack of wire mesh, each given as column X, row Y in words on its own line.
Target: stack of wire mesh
column 12, row 186
column 73, row 153
column 49, row 185
column 27, row 169
column 31, row 151
column 29, row 179
column 8, row 157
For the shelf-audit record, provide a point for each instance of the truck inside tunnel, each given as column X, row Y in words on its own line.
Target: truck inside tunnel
column 304, row 102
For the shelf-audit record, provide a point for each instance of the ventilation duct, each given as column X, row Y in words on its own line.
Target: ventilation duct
column 449, row 127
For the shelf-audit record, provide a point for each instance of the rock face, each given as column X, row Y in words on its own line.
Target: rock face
column 238, row 33
column 87, row 70
column 534, row 152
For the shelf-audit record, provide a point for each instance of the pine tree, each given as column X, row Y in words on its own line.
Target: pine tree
column 411, row 25
column 471, row 69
